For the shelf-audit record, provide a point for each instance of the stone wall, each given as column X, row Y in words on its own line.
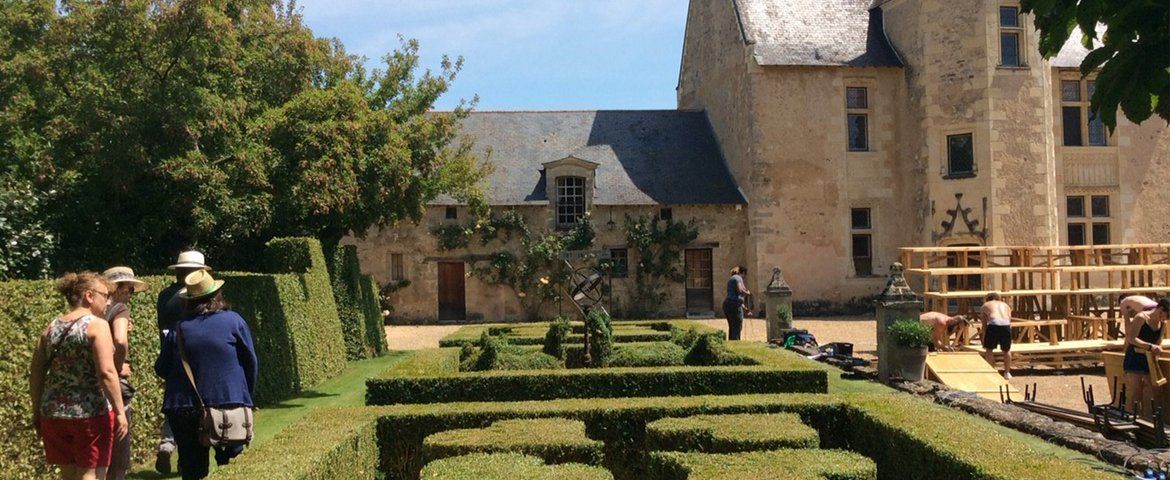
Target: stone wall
column 719, row 228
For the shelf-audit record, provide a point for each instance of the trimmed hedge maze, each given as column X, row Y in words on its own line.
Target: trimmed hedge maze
column 903, row 436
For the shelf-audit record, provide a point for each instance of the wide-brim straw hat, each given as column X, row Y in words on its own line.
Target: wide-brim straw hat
column 190, row 259
column 199, row 284
column 125, row 275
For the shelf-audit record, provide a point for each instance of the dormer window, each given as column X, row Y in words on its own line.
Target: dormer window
column 570, row 200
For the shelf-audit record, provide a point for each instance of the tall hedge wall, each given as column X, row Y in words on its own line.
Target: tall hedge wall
column 372, row 309
column 294, row 325
column 359, row 311
column 26, row 307
column 310, row 311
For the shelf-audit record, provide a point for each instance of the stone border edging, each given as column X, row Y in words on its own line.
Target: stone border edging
column 1065, row 434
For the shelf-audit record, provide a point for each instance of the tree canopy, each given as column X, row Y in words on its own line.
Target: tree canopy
column 1133, row 55
column 148, row 126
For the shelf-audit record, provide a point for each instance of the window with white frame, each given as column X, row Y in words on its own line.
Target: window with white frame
column 1081, row 127
column 857, row 118
column 570, row 201
column 1088, row 219
column 1011, row 37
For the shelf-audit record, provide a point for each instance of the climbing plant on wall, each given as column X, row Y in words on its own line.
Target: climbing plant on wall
column 519, row 265
column 658, row 244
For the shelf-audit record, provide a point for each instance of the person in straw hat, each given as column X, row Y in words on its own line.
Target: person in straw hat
column 171, row 308
column 126, row 284
column 218, row 347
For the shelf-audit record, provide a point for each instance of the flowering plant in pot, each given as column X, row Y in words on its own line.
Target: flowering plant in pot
column 911, row 339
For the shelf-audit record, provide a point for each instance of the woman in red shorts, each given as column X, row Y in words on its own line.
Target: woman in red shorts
column 74, row 381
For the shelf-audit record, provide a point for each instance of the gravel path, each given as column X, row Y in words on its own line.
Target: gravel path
column 412, row 337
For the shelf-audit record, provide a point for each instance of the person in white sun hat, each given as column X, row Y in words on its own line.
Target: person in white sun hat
column 170, row 310
column 126, row 284
column 216, row 344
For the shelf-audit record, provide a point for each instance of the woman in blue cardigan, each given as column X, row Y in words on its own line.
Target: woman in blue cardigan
column 219, row 349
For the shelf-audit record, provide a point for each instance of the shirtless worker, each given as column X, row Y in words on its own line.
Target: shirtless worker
column 941, row 327
column 1131, row 305
column 996, row 318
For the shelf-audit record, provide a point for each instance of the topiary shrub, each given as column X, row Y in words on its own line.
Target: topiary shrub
column 554, row 340
column 600, row 328
column 909, row 333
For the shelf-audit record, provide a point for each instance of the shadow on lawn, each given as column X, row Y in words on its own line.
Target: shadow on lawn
column 296, row 402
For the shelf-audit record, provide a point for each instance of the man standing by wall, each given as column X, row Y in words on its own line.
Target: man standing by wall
column 170, row 311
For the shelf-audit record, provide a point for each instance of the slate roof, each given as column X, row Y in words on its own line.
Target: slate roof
column 645, row 157
column 816, row 32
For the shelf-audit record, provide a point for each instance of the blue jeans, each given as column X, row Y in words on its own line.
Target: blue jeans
column 193, row 456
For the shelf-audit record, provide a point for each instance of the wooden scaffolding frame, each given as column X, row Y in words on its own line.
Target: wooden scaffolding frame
column 1058, row 294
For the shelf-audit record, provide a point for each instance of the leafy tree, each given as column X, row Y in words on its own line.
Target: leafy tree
column 1133, row 54
column 25, row 244
column 163, row 124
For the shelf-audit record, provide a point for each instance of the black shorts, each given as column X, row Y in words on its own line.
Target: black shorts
column 997, row 336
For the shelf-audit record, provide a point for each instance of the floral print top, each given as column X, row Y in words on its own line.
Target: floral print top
column 72, row 387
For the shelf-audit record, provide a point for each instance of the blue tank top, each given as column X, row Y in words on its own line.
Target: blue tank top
column 733, row 289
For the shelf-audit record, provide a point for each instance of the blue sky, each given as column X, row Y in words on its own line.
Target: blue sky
column 526, row 54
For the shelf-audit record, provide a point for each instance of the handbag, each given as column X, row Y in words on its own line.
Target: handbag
column 218, row 427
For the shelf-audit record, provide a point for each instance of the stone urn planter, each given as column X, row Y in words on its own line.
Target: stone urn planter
column 908, row 356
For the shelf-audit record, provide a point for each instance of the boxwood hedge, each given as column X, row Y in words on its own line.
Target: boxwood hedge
column 534, row 334
column 310, row 312
column 431, row 376
column 556, row 440
column 324, row 445
column 799, row 464
column 359, row 309
column 482, row 466
column 730, row 433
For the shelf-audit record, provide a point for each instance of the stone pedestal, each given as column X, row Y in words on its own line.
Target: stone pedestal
column 779, row 305
column 896, row 302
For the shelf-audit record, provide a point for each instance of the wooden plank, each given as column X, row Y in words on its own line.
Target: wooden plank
column 968, row 372
column 1032, row 293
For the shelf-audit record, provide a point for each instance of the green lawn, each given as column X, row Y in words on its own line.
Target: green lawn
column 345, row 390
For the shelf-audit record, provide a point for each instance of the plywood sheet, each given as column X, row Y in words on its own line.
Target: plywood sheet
column 967, row 371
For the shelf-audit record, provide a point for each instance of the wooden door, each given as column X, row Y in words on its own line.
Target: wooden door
column 700, row 297
column 452, row 299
